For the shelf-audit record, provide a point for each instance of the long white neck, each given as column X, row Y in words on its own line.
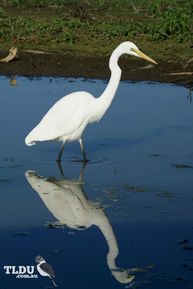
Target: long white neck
column 104, row 101
column 102, row 222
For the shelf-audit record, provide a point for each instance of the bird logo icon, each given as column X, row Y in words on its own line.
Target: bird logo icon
column 45, row 269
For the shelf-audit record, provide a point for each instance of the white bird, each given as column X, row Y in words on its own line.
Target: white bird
column 69, row 204
column 67, row 118
column 45, row 269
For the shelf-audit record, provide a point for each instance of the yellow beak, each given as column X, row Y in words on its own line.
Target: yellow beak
column 142, row 55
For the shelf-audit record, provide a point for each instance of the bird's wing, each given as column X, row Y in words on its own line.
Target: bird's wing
column 64, row 117
column 48, row 269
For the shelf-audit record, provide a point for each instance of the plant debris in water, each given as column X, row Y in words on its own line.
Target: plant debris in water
column 4, row 180
column 182, row 166
column 188, row 247
column 166, row 194
column 11, row 166
column 183, row 241
column 25, row 234
column 52, row 225
column 135, row 188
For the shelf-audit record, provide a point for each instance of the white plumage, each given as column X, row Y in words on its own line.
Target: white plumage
column 69, row 204
column 67, row 118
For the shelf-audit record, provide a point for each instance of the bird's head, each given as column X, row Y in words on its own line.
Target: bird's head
column 123, row 276
column 39, row 259
column 130, row 48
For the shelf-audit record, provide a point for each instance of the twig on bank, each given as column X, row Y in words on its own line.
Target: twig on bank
column 10, row 56
column 36, row 51
column 178, row 73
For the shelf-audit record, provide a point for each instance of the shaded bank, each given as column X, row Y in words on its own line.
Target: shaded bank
column 80, row 36
column 70, row 65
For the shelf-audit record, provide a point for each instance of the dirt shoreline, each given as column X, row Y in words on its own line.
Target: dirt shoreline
column 68, row 65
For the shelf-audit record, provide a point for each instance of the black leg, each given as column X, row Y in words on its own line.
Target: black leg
column 60, row 153
column 83, row 152
column 61, row 170
column 82, row 171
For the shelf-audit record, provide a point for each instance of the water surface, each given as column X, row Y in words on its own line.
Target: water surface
column 128, row 222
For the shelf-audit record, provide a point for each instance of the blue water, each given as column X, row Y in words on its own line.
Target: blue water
column 128, row 223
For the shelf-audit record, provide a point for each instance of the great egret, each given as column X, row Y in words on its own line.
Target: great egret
column 67, row 118
column 69, row 204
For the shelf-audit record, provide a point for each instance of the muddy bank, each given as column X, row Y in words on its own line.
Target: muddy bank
column 69, row 65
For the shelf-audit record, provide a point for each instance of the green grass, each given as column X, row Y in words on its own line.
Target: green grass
column 80, row 25
column 31, row 3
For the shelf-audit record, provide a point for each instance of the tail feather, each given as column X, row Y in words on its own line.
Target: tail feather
column 29, row 141
column 53, row 282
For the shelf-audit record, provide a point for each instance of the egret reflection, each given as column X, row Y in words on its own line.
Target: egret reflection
column 69, row 204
